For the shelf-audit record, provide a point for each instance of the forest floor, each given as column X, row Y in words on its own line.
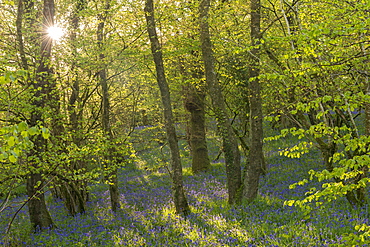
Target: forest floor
column 147, row 214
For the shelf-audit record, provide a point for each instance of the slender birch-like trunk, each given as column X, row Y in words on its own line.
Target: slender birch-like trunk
column 180, row 201
column 108, row 159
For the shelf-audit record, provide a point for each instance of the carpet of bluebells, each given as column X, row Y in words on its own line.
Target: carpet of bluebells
column 147, row 215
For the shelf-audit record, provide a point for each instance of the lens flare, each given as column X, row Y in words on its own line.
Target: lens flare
column 55, row 32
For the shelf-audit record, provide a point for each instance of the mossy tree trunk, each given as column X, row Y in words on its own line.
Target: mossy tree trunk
column 256, row 159
column 229, row 141
column 194, row 103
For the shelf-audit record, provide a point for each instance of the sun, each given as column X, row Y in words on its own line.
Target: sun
column 55, row 32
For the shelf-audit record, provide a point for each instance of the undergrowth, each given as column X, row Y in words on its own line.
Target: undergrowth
column 147, row 218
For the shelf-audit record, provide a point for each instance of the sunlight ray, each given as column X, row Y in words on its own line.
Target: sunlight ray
column 55, row 32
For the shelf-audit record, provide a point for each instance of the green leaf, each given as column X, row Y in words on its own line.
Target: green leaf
column 2, row 80
column 326, row 98
column 24, row 133
column 289, row 203
column 33, row 131
column 45, row 133
column 12, row 158
column 11, row 141
column 3, row 156
column 22, row 126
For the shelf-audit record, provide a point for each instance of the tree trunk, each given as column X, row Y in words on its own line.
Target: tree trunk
column 256, row 159
column 112, row 171
column 180, row 201
column 195, row 94
column 39, row 215
column 229, row 141
column 20, row 42
column 194, row 103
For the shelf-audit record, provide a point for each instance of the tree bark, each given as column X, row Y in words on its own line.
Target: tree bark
column 256, row 158
column 194, row 99
column 230, row 144
column 194, row 103
column 112, row 171
column 39, row 215
column 195, row 93
column 74, row 116
column 180, row 201
column 20, row 42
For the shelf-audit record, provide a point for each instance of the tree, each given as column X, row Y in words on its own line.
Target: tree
column 229, row 142
column 256, row 158
column 73, row 191
column 322, row 90
column 39, row 215
column 106, row 119
column 15, row 142
column 180, row 201
column 195, row 104
column 194, row 90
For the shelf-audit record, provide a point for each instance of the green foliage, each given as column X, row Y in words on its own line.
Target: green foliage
column 147, row 217
column 347, row 175
column 314, row 71
column 91, row 163
column 362, row 237
column 113, row 155
column 15, row 141
column 316, row 81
